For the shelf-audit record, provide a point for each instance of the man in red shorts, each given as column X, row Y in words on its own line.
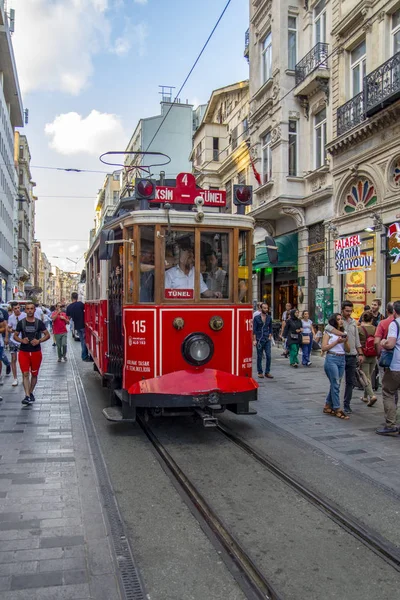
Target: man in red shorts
column 30, row 333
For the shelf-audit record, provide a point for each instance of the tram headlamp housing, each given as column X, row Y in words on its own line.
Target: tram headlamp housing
column 197, row 349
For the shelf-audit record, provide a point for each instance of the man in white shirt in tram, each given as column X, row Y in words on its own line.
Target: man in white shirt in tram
column 181, row 277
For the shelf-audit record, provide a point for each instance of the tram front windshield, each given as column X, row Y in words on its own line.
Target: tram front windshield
column 180, row 265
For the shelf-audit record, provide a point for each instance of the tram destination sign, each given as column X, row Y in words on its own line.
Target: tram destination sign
column 348, row 255
column 185, row 192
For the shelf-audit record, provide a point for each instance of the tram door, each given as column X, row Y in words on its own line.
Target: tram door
column 115, row 333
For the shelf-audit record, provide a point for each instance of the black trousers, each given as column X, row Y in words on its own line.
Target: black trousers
column 350, row 369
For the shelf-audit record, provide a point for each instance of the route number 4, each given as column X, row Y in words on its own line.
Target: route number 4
column 139, row 326
column 249, row 324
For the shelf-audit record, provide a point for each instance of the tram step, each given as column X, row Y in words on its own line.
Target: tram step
column 114, row 413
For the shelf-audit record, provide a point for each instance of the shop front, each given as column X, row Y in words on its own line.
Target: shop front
column 356, row 261
column 277, row 281
column 393, row 262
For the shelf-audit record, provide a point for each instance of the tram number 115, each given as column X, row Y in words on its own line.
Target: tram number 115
column 139, row 326
column 249, row 324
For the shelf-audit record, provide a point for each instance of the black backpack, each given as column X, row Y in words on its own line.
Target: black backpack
column 23, row 326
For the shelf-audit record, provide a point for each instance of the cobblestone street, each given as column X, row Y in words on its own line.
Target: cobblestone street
column 53, row 536
column 294, row 400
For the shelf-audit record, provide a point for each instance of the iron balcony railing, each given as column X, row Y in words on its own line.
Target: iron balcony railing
column 246, row 44
column 350, row 114
column 317, row 58
column 382, row 86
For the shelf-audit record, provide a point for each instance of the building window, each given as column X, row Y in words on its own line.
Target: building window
column 292, row 148
column 266, row 58
column 234, row 138
column 115, row 196
column 266, row 158
column 228, row 189
column 358, row 66
column 215, row 148
column 292, row 43
column 320, row 22
column 21, row 177
column 396, row 31
column 320, row 138
column 245, row 124
column 198, row 153
column 242, row 177
column 21, row 152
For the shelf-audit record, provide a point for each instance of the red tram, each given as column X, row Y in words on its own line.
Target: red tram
column 168, row 304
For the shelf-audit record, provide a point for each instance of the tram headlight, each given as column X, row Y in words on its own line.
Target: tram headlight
column 197, row 349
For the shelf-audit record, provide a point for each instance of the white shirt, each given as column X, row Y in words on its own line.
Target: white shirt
column 339, row 348
column 256, row 313
column 12, row 322
column 307, row 326
column 395, row 364
column 176, row 279
column 38, row 313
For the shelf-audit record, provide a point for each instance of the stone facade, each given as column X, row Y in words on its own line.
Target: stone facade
column 220, row 154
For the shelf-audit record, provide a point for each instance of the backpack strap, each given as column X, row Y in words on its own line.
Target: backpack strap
column 23, row 326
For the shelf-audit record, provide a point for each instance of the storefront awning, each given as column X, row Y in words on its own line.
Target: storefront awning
column 287, row 252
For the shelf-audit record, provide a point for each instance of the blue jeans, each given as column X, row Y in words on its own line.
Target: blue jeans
column 262, row 347
column 306, row 349
column 4, row 357
column 84, row 354
column 334, row 368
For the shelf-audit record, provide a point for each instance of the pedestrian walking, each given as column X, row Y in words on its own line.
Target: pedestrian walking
column 52, row 309
column 285, row 318
column 308, row 335
column 377, row 316
column 335, row 345
column 262, row 335
column 60, row 321
column 76, row 312
column 3, row 343
column 354, row 356
column 14, row 346
column 366, row 331
column 381, row 333
column 292, row 333
column 391, row 378
column 30, row 333
column 258, row 310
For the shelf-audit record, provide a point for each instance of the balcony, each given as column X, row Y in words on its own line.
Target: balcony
column 246, row 45
column 382, row 86
column 350, row 114
column 311, row 70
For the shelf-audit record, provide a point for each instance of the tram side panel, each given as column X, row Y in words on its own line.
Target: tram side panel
column 244, row 342
column 96, row 320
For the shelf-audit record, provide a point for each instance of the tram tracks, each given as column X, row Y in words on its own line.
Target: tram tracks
column 248, row 575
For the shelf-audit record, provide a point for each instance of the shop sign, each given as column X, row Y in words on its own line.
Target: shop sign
column 348, row 256
column 394, row 242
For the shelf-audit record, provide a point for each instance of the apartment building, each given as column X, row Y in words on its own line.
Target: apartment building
column 11, row 116
column 221, row 155
column 290, row 123
column 26, row 213
column 107, row 198
column 364, row 149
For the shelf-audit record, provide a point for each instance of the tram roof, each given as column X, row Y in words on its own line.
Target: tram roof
column 176, row 218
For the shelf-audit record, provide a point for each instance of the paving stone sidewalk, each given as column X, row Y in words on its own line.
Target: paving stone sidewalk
column 294, row 400
column 54, row 543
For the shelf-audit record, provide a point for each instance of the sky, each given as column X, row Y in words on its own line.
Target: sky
column 88, row 71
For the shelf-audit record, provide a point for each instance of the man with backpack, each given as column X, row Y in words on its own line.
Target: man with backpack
column 391, row 378
column 30, row 333
column 366, row 332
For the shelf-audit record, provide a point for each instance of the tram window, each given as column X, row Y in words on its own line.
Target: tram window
column 147, row 265
column 243, row 271
column 214, row 262
column 179, row 265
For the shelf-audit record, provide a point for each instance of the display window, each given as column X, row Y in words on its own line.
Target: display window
column 356, row 261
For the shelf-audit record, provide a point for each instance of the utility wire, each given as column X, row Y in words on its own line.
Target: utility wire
column 190, row 72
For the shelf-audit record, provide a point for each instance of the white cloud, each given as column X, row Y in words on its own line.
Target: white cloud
column 73, row 248
column 133, row 36
column 71, row 133
column 140, row 1
column 55, row 42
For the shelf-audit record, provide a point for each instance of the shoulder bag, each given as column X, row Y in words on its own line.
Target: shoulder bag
column 387, row 355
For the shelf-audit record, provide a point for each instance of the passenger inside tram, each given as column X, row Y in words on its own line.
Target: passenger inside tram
column 216, row 279
column 181, row 276
column 146, row 273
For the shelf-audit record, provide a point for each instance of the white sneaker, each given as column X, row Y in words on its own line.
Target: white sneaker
column 1, row 379
column 15, row 382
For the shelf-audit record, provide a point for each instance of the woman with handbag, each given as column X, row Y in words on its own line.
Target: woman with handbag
column 307, row 338
column 366, row 331
column 335, row 347
column 292, row 333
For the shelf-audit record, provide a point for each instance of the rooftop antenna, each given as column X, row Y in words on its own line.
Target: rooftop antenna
column 11, row 20
column 166, row 93
column 26, row 116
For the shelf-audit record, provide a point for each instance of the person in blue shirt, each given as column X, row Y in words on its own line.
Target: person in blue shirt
column 262, row 335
